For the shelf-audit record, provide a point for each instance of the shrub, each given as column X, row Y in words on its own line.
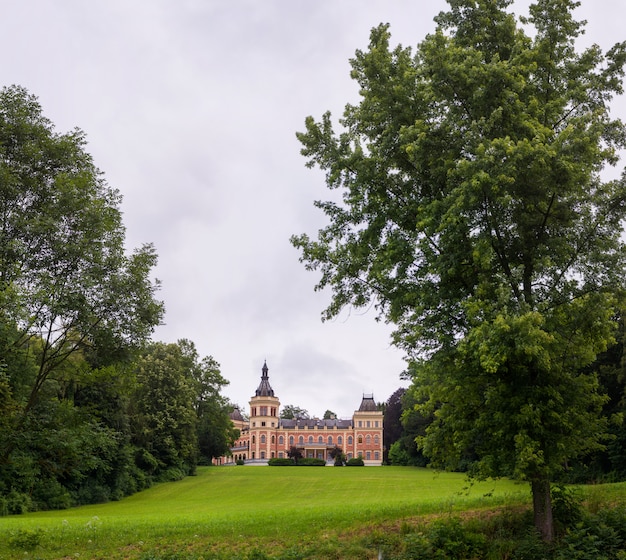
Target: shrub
column 355, row 462
column 15, row 503
column 566, row 507
column 454, row 540
column 26, row 539
column 310, row 462
column 240, row 462
column 280, row 462
column 51, row 494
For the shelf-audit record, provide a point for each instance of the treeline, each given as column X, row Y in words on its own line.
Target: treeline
column 91, row 409
column 405, row 424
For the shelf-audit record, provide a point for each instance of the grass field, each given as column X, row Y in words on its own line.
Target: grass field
column 230, row 511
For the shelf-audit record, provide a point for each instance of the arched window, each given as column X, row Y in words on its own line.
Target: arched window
column 301, row 440
column 376, row 440
column 310, row 439
column 339, row 440
column 273, row 439
column 320, row 439
column 368, row 439
column 290, row 440
column 330, row 440
column 349, row 440
column 262, row 438
column 360, row 440
column 253, row 439
column 281, row 440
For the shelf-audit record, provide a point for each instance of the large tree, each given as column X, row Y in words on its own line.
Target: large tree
column 66, row 282
column 474, row 215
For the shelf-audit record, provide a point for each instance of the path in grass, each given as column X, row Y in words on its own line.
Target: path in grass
column 225, row 505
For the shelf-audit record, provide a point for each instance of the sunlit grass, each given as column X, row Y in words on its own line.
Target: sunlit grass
column 231, row 508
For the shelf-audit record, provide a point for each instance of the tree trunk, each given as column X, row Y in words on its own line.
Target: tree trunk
column 542, row 508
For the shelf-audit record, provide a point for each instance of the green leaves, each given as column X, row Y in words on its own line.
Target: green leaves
column 63, row 270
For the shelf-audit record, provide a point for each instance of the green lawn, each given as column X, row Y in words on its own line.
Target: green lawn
column 238, row 509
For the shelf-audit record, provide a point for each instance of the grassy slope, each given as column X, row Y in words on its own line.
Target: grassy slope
column 243, row 507
column 229, row 505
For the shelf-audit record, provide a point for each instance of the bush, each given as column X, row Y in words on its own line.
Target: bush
column 15, row 503
column 355, row 462
column 51, row 494
column 280, row 462
column 240, row 462
column 456, row 540
column 26, row 539
column 310, row 462
column 566, row 507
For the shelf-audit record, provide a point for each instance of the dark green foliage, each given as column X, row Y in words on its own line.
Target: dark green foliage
column 392, row 419
column 566, row 507
column 281, row 462
column 355, row 462
column 311, row 462
column 598, row 536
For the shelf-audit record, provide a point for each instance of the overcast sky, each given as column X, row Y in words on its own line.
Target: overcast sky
column 190, row 109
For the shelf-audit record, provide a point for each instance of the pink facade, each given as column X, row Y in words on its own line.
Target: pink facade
column 266, row 435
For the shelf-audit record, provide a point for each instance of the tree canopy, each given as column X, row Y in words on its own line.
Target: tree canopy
column 66, row 283
column 474, row 215
column 90, row 409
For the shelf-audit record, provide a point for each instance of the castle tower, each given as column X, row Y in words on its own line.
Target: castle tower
column 368, row 431
column 263, row 420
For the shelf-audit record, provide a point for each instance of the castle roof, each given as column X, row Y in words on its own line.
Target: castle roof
column 368, row 404
column 236, row 415
column 264, row 389
column 315, row 423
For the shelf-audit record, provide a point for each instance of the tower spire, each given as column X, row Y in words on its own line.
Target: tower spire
column 265, row 389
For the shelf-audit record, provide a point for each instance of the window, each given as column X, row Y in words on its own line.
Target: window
column 376, row 439
column 349, row 440
column 360, row 424
column 253, row 439
column 290, row 440
column 376, row 455
column 262, row 423
column 376, row 424
column 368, row 455
column 330, row 440
column 368, row 423
column 368, row 439
column 320, row 439
column 360, row 440
column 262, row 454
column 281, row 440
column 262, row 438
column 310, row 439
column 301, row 440
column 339, row 440
column 273, row 440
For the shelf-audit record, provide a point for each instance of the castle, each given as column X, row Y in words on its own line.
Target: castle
column 265, row 435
